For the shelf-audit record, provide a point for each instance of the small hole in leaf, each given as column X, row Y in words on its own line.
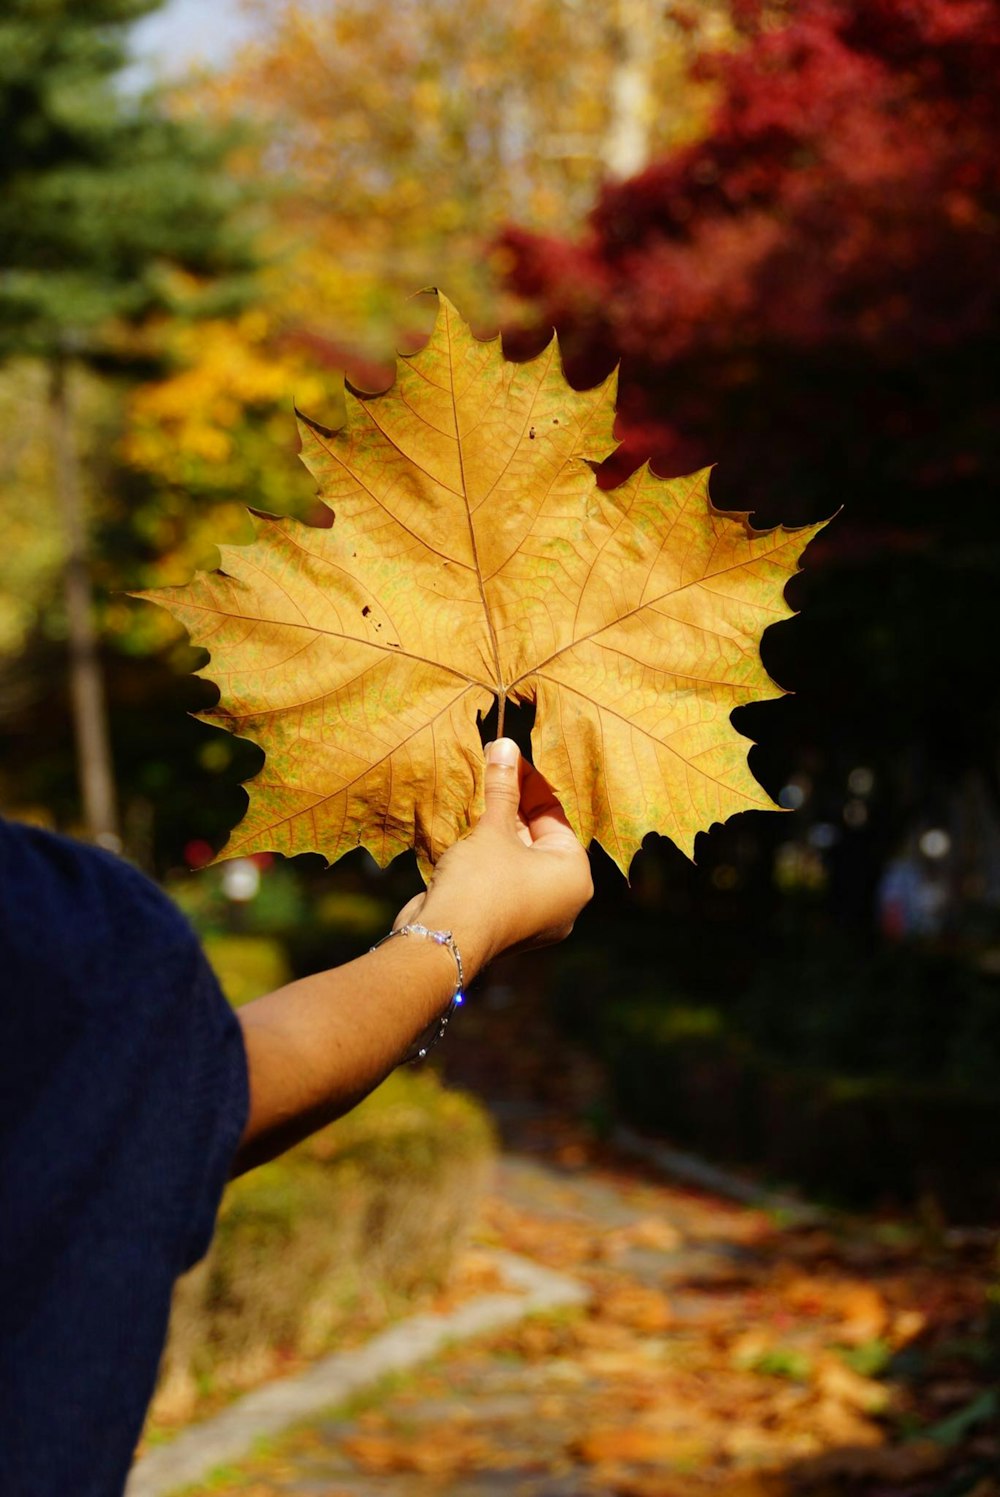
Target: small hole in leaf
column 366, row 611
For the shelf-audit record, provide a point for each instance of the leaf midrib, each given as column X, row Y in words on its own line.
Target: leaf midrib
column 500, row 689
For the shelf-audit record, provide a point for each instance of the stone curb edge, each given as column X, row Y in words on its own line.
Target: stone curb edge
column 691, row 1169
column 267, row 1411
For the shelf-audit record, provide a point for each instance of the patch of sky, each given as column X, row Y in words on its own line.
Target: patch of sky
column 185, row 34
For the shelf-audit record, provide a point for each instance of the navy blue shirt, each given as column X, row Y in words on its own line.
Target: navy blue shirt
column 123, row 1095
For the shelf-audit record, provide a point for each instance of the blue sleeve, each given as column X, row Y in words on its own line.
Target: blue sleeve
column 123, row 1095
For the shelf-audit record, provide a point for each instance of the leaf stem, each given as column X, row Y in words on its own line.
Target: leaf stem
column 502, row 699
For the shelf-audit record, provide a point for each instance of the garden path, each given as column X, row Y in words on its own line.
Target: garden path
column 722, row 1350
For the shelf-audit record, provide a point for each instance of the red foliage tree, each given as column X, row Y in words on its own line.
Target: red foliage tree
column 840, row 216
column 809, row 295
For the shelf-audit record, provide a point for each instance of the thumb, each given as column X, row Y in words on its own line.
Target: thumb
column 503, row 783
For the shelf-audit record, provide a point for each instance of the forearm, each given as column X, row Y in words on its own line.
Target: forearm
column 317, row 1046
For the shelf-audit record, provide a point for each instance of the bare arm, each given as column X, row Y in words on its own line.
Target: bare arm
column 317, row 1046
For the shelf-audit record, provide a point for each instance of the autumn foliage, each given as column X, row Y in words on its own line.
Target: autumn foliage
column 838, row 219
column 809, row 296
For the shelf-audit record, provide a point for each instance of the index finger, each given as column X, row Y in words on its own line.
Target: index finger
column 540, row 808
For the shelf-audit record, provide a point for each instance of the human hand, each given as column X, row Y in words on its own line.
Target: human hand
column 520, row 877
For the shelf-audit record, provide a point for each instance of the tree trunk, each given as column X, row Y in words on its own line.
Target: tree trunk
column 626, row 144
column 93, row 753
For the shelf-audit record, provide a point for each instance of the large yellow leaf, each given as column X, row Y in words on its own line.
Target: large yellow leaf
column 473, row 556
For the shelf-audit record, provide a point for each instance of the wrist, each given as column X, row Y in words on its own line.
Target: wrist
column 477, row 933
column 443, row 939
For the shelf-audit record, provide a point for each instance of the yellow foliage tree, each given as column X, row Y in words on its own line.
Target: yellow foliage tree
column 394, row 141
column 413, row 131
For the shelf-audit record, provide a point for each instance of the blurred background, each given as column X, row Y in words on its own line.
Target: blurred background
column 782, row 220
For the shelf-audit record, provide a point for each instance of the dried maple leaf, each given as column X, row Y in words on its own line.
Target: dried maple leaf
column 473, row 556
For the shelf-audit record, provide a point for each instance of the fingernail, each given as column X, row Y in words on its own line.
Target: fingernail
column 504, row 751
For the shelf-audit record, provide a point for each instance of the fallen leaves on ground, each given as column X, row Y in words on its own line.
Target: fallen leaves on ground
column 738, row 1392
column 755, row 1385
column 860, row 1310
column 438, row 1453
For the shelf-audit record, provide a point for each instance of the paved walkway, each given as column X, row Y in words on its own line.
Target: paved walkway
column 700, row 1350
column 527, row 1289
column 537, row 1410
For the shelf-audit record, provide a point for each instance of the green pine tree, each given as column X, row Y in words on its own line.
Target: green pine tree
column 103, row 197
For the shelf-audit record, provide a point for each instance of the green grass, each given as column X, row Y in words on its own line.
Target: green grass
column 782, row 1362
column 869, row 1360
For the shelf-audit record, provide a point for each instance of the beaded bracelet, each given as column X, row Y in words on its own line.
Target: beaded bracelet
column 435, row 1030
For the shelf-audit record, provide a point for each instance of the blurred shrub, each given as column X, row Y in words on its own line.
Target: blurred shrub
column 868, row 1079
column 329, row 1241
column 278, row 907
column 246, row 966
column 315, row 924
column 916, row 1014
